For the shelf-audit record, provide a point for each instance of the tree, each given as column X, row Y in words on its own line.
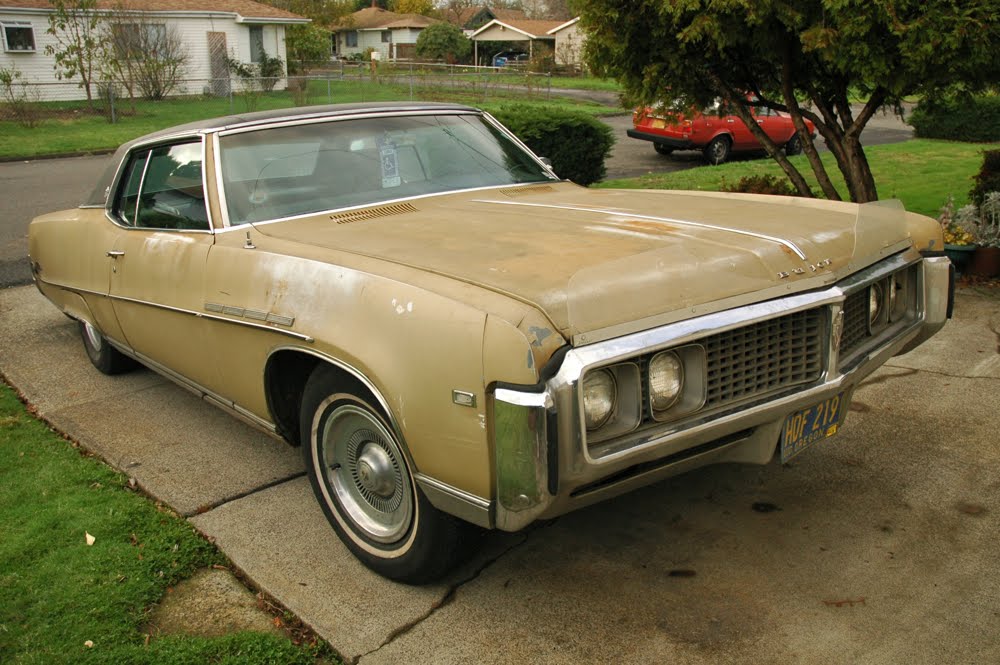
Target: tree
column 423, row 7
column 141, row 54
column 307, row 43
column 808, row 58
column 443, row 41
column 75, row 27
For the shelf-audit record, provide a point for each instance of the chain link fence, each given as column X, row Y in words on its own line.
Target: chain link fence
column 328, row 83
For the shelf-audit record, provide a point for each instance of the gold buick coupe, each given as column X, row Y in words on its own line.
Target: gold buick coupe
column 460, row 340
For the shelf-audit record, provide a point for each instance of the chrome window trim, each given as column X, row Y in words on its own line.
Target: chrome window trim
column 331, row 211
column 395, row 113
column 151, row 144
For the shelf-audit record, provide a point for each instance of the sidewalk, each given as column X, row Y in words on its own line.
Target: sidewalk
column 880, row 547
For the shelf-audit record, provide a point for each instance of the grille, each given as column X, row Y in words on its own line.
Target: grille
column 855, row 321
column 372, row 213
column 764, row 357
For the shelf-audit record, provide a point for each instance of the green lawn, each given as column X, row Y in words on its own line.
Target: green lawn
column 69, row 128
column 57, row 594
column 922, row 173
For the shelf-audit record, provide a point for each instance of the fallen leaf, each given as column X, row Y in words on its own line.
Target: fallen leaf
column 89, row 538
column 89, row 644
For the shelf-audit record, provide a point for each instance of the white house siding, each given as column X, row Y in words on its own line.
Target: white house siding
column 569, row 45
column 373, row 39
column 498, row 33
column 38, row 67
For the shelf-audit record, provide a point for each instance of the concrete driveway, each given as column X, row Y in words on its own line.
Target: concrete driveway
column 878, row 546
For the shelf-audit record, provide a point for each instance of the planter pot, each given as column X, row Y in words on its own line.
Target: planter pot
column 985, row 262
column 960, row 256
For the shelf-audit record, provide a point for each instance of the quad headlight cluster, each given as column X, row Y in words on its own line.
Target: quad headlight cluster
column 661, row 387
column 889, row 299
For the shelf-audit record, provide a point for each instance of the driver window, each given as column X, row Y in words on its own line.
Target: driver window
column 162, row 189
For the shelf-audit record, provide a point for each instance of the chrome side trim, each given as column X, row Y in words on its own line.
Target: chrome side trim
column 227, row 405
column 760, row 236
column 454, row 501
column 328, row 117
column 179, row 310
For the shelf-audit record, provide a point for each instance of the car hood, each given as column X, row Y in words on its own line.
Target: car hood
column 602, row 262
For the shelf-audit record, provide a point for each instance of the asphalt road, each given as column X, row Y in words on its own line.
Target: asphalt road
column 28, row 189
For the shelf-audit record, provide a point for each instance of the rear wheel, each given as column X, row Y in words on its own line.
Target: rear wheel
column 718, row 149
column 103, row 356
column 663, row 149
column 794, row 146
column 364, row 484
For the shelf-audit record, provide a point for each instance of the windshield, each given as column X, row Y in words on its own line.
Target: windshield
column 279, row 172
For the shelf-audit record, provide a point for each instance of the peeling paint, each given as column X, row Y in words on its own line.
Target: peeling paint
column 540, row 334
column 400, row 308
column 482, row 420
column 531, row 360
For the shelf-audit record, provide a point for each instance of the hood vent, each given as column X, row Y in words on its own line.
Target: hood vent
column 372, row 213
column 514, row 192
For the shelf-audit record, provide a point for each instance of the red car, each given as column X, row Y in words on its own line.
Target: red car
column 716, row 136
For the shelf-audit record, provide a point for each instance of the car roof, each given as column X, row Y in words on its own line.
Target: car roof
column 98, row 195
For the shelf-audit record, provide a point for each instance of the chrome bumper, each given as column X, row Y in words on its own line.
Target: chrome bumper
column 543, row 465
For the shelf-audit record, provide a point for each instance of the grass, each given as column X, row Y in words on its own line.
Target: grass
column 57, row 593
column 922, row 173
column 70, row 128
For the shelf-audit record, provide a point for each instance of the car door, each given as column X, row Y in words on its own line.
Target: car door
column 743, row 139
column 158, row 261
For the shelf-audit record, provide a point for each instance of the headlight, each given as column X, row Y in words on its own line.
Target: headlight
column 599, row 395
column 874, row 303
column 666, row 380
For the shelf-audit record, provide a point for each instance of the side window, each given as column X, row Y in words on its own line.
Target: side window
column 128, row 200
column 171, row 195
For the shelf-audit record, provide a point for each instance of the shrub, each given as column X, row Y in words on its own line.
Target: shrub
column 762, row 184
column 576, row 143
column 973, row 119
column 19, row 97
column 988, row 178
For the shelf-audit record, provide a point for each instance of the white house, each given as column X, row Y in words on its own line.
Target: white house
column 569, row 42
column 530, row 32
column 209, row 30
column 392, row 35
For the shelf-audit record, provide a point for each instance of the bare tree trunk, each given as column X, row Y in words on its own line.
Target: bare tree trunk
column 804, row 136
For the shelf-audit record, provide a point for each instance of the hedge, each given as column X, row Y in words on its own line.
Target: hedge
column 972, row 119
column 576, row 143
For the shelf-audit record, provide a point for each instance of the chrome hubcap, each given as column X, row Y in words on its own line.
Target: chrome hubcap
column 375, row 470
column 365, row 470
column 93, row 337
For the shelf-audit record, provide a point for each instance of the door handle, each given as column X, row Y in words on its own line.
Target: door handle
column 115, row 253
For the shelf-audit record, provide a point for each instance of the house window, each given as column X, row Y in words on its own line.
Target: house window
column 18, row 37
column 256, row 43
column 387, row 36
column 138, row 40
column 351, row 38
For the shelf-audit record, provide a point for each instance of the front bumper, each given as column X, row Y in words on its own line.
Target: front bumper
column 544, row 467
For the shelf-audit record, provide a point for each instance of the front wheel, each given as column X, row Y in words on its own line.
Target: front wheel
column 362, row 479
column 718, row 149
column 663, row 149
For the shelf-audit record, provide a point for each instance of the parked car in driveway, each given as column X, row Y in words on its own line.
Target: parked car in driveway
column 716, row 134
column 458, row 339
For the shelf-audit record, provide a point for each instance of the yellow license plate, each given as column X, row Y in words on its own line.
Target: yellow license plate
column 806, row 427
column 658, row 124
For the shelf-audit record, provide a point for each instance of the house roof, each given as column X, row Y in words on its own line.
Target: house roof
column 565, row 25
column 244, row 8
column 376, row 18
column 530, row 29
column 469, row 13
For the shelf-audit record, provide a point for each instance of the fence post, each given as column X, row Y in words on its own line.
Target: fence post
column 329, row 88
column 111, row 101
column 411, row 81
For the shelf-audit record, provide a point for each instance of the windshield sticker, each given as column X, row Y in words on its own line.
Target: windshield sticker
column 389, row 159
